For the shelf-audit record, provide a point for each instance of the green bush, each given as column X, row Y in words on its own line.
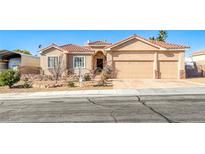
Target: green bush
column 87, row 77
column 9, row 78
column 71, row 84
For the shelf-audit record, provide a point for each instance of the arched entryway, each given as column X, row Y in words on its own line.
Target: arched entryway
column 99, row 61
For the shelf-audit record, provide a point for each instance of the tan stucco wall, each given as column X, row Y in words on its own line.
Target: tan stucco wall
column 30, row 61
column 201, row 62
column 134, row 45
column 88, row 63
column 144, row 55
column 109, row 58
column 171, row 63
column 51, row 52
column 133, row 55
column 168, row 55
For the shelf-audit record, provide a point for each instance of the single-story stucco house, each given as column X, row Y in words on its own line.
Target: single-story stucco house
column 131, row 58
column 14, row 60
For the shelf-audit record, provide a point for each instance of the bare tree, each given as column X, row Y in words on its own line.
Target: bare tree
column 58, row 68
column 106, row 73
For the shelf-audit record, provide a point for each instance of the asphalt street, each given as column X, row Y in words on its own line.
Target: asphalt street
column 133, row 109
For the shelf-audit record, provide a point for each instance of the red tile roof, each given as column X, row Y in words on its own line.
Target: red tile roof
column 75, row 48
column 155, row 43
column 168, row 45
column 51, row 46
column 102, row 43
column 200, row 52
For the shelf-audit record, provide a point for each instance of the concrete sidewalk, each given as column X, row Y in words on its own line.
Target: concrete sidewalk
column 105, row 93
column 60, row 94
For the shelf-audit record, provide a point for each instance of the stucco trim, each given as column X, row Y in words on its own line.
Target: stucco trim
column 77, row 53
column 51, row 46
column 131, row 38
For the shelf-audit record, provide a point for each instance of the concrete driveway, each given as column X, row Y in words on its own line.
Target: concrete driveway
column 154, row 83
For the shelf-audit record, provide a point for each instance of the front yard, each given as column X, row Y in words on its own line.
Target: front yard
column 12, row 82
column 22, row 90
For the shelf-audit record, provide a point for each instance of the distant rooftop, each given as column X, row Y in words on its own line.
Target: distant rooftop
column 7, row 52
column 99, row 43
column 199, row 52
column 75, row 48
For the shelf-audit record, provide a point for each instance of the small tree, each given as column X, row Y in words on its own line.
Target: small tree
column 106, row 73
column 58, row 69
column 9, row 78
column 162, row 36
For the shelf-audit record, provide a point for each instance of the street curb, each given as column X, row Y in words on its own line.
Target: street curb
column 71, row 94
column 96, row 93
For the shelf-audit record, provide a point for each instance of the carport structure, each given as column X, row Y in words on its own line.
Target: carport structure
column 14, row 60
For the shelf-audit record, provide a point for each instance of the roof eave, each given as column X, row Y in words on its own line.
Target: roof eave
column 177, row 49
column 52, row 46
column 135, row 37
column 79, row 52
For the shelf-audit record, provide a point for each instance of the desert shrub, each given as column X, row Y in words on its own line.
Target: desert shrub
column 87, row 77
column 105, row 75
column 27, row 83
column 71, row 84
column 9, row 78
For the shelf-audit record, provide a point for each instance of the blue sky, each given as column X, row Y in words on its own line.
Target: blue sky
column 31, row 39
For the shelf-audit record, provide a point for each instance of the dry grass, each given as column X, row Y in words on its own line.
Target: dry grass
column 88, row 85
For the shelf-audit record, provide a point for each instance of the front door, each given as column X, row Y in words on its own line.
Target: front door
column 99, row 64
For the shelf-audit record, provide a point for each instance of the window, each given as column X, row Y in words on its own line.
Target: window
column 79, row 62
column 52, row 61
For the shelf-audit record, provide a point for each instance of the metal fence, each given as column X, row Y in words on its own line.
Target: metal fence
column 194, row 71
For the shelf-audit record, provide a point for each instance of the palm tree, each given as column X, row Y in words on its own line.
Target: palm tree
column 152, row 38
column 162, row 36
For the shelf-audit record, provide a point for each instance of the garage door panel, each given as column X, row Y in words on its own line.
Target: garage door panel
column 133, row 69
column 168, row 69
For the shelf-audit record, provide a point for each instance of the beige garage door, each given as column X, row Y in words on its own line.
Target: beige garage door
column 168, row 70
column 133, row 70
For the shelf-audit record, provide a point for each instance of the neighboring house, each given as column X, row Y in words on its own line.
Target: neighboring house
column 14, row 60
column 198, row 57
column 131, row 58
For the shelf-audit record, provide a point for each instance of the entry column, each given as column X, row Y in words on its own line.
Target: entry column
column 156, row 67
column 181, row 66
